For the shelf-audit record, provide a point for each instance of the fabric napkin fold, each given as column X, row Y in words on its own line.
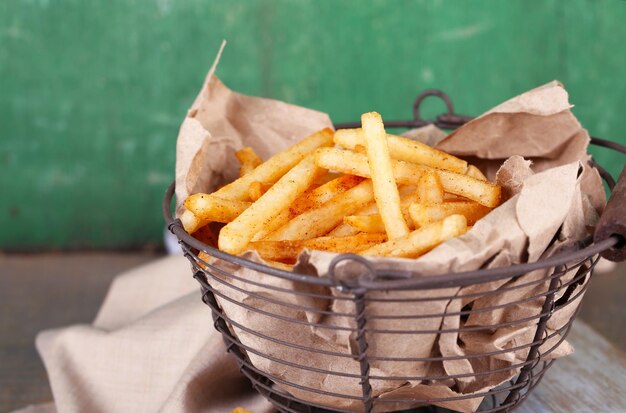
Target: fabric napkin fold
column 151, row 348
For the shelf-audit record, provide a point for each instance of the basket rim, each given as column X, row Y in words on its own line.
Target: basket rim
column 389, row 279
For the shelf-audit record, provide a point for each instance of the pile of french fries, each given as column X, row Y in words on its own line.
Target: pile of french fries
column 357, row 191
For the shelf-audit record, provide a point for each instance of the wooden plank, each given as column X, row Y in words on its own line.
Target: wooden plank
column 47, row 291
column 603, row 305
column 593, row 379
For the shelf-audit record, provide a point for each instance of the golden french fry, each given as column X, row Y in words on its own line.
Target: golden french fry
column 404, row 149
column 485, row 193
column 309, row 200
column 204, row 257
column 452, row 198
column 271, row 170
column 248, row 159
column 360, row 149
column 368, row 219
column 257, row 189
column 190, row 221
column 407, row 197
column 368, row 209
column 318, row 196
column 365, row 223
column 424, row 213
column 205, row 208
column 327, row 177
column 475, row 173
column 279, row 265
column 429, row 188
column 240, row 410
column 319, row 221
column 421, row 240
column 385, row 188
column 236, row 235
column 289, row 250
column 344, row 229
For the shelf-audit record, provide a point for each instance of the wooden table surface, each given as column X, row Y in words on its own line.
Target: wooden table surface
column 45, row 291
column 592, row 380
column 51, row 290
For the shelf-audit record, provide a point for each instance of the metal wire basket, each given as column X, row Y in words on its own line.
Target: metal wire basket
column 564, row 279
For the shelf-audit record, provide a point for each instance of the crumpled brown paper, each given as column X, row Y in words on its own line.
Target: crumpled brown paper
column 549, row 206
column 221, row 122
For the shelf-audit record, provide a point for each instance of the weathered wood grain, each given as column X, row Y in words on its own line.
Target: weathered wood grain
column 593, row 379
column 46, row 291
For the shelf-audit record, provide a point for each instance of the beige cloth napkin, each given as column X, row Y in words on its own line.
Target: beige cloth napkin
column 152, row 348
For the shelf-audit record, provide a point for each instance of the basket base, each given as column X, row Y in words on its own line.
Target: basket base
column 285, row 403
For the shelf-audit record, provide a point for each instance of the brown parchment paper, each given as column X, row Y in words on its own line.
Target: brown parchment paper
column 533, row 146
column 221, row 122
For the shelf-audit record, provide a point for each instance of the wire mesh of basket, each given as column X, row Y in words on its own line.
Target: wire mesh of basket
column 281, row 308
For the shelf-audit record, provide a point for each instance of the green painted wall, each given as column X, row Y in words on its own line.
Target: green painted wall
column 92, row 92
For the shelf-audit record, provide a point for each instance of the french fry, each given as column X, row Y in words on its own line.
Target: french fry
column 204, row 257
column 368, row 209
column 190, row 221
column 421, row 240
column 385, row 188
column 289, row 250
column 323, row 193
column 424, row 213
column 279, row 265
column 240, row 410
column 360, row 149
column 452, row 198
column 274, row 168
column 429, row 188
column 404, row 149
column 344, row 229
column 365, row 223
column 248, row 159
column 368, row 220
column 475, row 173
column 236, row 235
column 257, row 189
column 319, row 221
column 327, row 177
column 348, row 162
column 310, row 200
column 205, row 208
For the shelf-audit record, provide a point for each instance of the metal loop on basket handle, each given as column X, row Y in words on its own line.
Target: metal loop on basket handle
column 431, row 92
column 448, row 120
column 444, row 120
column 369, row 274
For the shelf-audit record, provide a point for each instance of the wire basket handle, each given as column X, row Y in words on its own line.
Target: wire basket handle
column 449, row 120
column 613, row 222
